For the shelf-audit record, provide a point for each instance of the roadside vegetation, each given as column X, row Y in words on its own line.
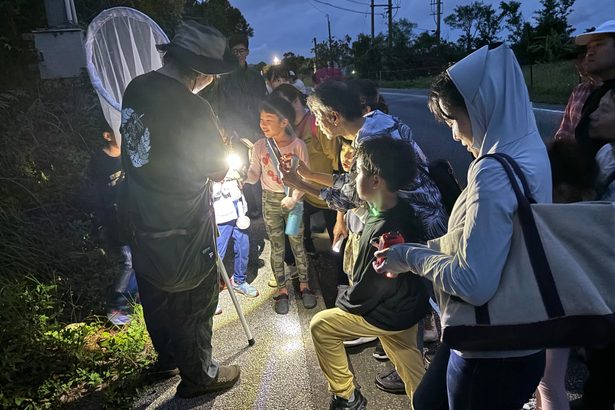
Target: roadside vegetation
column 549, row 83
column 54, row 348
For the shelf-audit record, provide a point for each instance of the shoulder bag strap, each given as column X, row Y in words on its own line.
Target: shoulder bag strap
column 538, row 258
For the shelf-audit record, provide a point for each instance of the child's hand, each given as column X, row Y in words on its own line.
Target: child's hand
column 391, row 261
column 288, row 203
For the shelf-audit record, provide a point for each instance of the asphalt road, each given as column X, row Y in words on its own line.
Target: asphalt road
column 280, row 371
column 435, row 138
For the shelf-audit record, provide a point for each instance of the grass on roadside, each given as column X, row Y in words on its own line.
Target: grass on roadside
column 549, row 83
column 47, row 364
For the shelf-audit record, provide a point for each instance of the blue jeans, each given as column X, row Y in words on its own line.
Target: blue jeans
column 455, row 383
column 241, row 248
column 125, row 286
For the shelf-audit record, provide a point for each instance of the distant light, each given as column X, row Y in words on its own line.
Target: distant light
column 353, row 72
column 276, row 60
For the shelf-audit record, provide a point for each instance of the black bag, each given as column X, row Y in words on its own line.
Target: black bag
column 444, row 177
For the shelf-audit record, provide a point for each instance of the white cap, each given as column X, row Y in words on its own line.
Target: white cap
column 604, row 28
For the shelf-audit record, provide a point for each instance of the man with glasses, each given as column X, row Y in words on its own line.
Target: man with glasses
column 236, row 99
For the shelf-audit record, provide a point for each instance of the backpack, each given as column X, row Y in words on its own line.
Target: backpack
column 442, row 174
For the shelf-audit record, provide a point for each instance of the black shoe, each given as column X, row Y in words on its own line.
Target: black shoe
column 309, row 298
column 359, row 402
column 280, row 304
column 390, row 382
column 226, row 378
column 379, row 353
column 157, row 374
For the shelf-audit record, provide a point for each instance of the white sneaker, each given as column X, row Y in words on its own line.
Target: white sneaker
column 218, row 310
column 359, row 341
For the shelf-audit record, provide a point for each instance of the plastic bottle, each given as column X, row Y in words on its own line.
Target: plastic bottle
column 295, row 217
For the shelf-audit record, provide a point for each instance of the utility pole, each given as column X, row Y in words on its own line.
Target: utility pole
column 390, row 23
column 330, row 42
column 438, row 15
column 315, row 54
column 372, row 6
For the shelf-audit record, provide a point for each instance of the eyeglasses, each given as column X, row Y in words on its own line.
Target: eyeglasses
column 239, row 51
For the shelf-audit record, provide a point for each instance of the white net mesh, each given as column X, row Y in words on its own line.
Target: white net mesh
column 120, row 45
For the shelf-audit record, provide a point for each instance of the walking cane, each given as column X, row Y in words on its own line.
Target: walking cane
column 242, row 318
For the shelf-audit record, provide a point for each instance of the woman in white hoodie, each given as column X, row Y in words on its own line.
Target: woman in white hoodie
column 483, row 98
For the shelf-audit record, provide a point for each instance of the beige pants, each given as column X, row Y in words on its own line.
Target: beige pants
column 331, row 327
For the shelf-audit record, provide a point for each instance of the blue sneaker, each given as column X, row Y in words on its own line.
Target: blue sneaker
column 118, row 317
column 245, row 289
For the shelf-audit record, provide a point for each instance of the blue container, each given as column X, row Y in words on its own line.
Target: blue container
column 295, row 217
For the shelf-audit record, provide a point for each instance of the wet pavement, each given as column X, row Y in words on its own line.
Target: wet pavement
column 281, row 371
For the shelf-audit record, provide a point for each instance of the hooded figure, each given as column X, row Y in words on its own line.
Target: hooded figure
column 491, row 113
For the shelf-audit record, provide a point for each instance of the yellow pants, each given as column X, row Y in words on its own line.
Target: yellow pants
column 331, row 327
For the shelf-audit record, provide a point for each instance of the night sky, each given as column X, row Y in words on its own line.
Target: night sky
column 289, row 25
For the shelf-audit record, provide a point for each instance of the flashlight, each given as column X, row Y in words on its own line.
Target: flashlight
column 234, row 162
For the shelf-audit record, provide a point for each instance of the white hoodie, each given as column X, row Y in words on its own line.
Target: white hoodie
column 494, row 90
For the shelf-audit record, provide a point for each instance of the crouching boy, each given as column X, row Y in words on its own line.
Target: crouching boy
column 376, row 305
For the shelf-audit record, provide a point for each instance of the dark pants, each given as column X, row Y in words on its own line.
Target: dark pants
column 455, row 383
column 253, row 194
column 599, row 389
column 180, row 326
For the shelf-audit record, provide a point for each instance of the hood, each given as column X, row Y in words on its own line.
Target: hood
column 377, row 124
column 494, row 90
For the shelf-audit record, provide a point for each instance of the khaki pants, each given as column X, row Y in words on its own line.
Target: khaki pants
column 331, row 327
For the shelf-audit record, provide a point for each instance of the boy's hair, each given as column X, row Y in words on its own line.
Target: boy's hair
column 392, row 160
column 571, row 164
column 238, row 38
column 334, row 95
column 289, row 92
column 445, row 97
column 275, row 72
column 274, row 104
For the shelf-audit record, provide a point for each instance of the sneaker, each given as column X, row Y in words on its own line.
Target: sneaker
column 359, row 341
column 359, row 402
column 119, row 317
column 218, row 309
column 390, row 382
column 379, row 353
column 246, row 289
column 280, row 304
column 309, row 298
column 226, row 378
column 158, row 374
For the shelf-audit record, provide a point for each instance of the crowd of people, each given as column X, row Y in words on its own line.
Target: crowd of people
column 171, row 205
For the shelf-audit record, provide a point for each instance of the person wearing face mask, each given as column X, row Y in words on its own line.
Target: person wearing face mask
column 172, row 151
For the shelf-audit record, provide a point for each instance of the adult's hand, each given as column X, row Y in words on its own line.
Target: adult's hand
column 392, row 261
column 602, row 121
column 292, row 180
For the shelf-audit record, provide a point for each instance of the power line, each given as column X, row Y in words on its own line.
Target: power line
column 358, row 2
column 342, row 8
column 317, row 8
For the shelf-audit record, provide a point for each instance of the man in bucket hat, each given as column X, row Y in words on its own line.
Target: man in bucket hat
column 172, row 151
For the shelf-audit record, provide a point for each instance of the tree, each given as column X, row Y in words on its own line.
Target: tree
column 299, row 64
column 338, row 51
column 550, row 39
column 220, row 14
column 481, row 23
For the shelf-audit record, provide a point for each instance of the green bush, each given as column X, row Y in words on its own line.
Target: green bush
column 54, row 275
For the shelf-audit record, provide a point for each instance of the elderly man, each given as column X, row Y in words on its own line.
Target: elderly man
column 172, row 150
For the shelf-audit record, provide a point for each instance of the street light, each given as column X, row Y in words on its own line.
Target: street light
column 276, row 60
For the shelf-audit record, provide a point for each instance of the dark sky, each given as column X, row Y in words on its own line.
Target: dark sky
column 290, row 25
